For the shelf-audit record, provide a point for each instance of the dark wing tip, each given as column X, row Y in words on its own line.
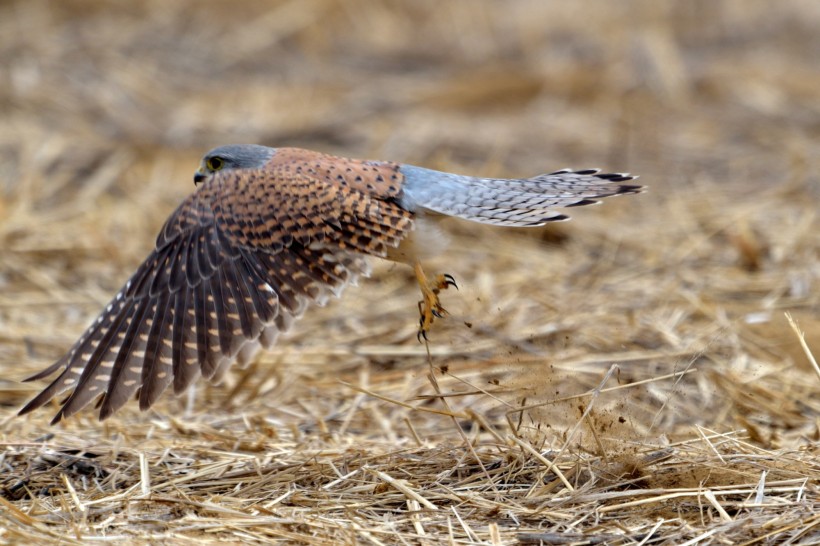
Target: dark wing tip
column 614, row 177
column 57, row 418
column 622, row 177
column 554, row 218
column 106, row 411
column 44, row 396
column 621, row 189
column 583, row 202
column 50, row 370
column 35, row 403
column 626, row 189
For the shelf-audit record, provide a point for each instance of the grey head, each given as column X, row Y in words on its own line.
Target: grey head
column 233, row 156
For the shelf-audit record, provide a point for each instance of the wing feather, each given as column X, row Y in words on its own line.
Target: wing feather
column 233, row 266
column 98, row 362
column 125, row 377
column 158, row 365
column 223, row 310
column 510, row 202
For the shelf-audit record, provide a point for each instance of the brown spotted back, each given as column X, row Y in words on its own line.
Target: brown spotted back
column 381, row 179
column 315, row 199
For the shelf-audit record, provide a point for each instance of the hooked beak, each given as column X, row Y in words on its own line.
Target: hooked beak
column 199, row 176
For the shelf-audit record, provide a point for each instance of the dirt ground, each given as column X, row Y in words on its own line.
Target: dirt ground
column 634, row 376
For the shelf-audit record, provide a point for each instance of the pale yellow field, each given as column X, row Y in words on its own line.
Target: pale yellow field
column 629, row 377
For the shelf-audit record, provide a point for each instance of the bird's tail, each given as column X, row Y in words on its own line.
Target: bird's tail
column 510, row 202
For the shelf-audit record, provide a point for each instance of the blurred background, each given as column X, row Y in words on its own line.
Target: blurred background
column 678, row 91
column 106, row 108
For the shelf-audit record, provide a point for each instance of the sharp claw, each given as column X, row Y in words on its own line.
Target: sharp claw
column 422, row 333
column 430, row 308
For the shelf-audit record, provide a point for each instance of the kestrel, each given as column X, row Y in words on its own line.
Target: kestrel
column 268, row 231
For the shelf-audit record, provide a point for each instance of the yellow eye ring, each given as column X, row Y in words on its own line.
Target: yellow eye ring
column 215, row 163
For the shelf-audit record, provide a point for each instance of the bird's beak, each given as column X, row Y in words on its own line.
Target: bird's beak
column 199, row 176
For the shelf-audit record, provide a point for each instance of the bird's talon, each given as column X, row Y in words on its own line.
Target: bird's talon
column 430, row 307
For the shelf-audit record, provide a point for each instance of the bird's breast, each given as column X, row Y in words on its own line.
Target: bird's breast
column 428, row 239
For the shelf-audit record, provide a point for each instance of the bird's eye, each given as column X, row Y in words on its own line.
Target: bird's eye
column 215, row 163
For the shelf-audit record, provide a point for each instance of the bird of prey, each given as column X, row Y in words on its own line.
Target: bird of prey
column 268, row 231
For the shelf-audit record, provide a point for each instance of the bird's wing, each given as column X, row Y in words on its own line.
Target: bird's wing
column 234, row 264
column 519, row 202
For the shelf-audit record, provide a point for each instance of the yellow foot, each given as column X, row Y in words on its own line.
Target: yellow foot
column 430, row 306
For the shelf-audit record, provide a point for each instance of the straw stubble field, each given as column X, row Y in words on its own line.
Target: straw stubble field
column 629, row 377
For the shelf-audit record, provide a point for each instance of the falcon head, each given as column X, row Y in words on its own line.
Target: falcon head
column 233, row 156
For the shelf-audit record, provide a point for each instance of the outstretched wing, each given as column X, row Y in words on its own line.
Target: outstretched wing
column 233, row 266
column 520, row 202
